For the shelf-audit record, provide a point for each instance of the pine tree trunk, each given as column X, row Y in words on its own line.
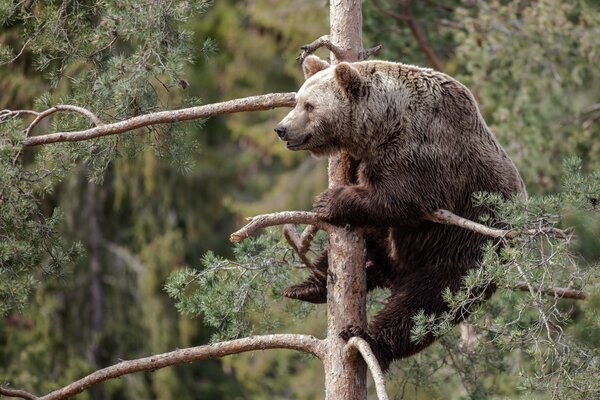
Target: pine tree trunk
column 345, row 379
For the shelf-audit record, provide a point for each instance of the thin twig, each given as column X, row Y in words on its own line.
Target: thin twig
column 291, row 235
column 307, row 236
column 304, row 343
column 415, row 30
column 280, row 218
column 253, row 103
column 115, row 35
column 364, row 349
column 366, row 53
column 18, row 55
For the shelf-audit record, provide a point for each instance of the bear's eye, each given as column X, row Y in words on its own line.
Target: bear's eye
column 309, row 107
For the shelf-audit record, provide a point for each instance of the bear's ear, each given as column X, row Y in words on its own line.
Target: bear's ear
column 313, row 64
column 350, row 80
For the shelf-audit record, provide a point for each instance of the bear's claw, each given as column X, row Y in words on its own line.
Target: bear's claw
column 353, row 330
column 383, row 357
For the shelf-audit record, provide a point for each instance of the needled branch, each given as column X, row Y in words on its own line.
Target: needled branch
column 253, row 103
column 304, row 343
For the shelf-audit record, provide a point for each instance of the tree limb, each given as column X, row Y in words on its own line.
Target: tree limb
column 563, row 293
column 17, row 393
column 448, row 218
column 364, row 349
column 279, row 218
column 340, row 53
column 304, row 343
column 307, row 236
column 410, row 20
column 253, row 103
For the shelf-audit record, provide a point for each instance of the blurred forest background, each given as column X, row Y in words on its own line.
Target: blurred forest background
column 142, row 208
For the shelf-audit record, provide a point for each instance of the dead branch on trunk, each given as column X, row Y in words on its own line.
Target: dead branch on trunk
column 340, row 53
column 253, row 103
column 358, row 344
column 304, row 343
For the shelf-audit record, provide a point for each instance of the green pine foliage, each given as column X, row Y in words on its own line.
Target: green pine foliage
column 237, row 296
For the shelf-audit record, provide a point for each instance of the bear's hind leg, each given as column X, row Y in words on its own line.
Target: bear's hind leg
column 390, row 331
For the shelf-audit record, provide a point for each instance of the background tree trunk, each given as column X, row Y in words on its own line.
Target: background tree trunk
column 346, row 283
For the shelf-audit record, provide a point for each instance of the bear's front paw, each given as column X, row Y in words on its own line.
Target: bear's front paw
column 325, row 205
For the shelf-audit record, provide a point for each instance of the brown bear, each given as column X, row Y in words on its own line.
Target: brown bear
column 413, row 141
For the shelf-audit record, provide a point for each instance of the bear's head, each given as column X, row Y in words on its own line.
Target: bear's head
column 322, row 120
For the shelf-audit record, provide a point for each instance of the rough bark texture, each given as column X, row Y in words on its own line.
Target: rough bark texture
column 346, row 282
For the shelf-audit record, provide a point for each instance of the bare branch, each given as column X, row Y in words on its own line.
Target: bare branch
column 280, row 218
column 563, row 293
column 64, row 107
column 17, row 393
column 448, row 218
column 307, row 236
column 323, row 41
column 407, row 18
column 253, row 103
column 364, row 349
column 18, row 55
column 291, row 235
column 304, row 343
column 366, row 53
column 340, row 53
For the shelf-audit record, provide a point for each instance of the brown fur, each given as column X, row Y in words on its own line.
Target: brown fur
column 415, row 142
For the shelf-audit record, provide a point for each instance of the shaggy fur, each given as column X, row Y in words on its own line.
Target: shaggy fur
column 413, row 141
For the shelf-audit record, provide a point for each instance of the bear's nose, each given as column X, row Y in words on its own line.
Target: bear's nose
column 280, row 131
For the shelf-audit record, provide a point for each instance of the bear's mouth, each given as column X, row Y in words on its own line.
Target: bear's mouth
column 297, row 143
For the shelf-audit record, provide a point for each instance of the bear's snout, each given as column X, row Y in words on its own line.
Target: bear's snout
column 281, row 131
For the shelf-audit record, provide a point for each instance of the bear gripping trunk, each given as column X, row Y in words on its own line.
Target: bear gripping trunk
column 346, row 283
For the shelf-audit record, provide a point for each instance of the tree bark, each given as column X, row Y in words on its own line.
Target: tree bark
column 346, row 281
